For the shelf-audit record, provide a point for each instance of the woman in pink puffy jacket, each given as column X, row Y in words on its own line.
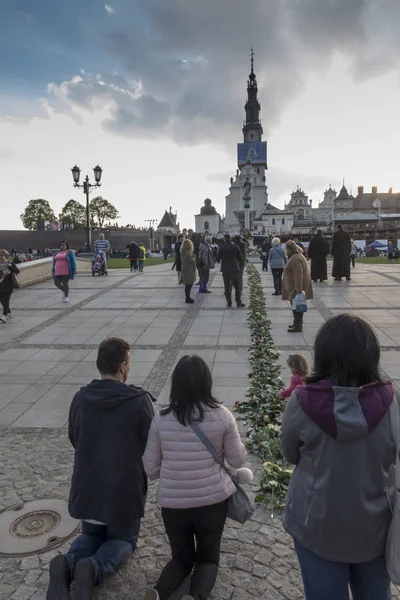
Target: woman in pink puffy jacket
column 193, row 488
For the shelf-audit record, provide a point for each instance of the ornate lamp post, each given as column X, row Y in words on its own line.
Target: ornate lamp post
column 87, row 186
column 151, row 223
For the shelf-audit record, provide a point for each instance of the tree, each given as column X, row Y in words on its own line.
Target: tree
column 37, row 210
column 101, row 210
column 74, row 213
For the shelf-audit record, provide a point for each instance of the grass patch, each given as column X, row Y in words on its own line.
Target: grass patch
column 379, row 260
column 123, row 263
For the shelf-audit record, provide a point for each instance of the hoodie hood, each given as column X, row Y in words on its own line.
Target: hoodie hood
column 107, row 394
column 346, row 413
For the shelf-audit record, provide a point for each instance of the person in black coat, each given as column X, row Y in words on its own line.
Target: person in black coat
column 341, row 251
column 265, row 248
column 7, row 269
column 178, row 258
column 109, row 423
column 318, row 250
column 134, row 255
column 230, row 257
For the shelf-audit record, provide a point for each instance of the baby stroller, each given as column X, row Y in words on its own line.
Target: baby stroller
column 99, row 266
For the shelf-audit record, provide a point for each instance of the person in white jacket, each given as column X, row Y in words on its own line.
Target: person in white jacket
column 193, row 488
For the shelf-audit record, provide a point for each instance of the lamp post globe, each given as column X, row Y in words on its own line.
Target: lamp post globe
column 76, row 174
column 98, row 171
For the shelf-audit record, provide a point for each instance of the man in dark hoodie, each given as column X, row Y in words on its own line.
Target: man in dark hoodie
column 109, row 423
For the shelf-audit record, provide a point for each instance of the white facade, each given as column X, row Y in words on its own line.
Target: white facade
column 208, row 219
column 234, row 200
column 279, row 222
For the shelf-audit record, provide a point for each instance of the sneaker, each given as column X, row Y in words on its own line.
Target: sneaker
column 65, row 299
column 3, row 319
column 241, row 305
column 60, row 579
column 151, row 595
column 229, row 305
column 85, row 579
column 190, row 301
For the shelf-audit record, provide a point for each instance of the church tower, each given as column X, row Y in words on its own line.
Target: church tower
column 252, row 128
column 252, row 164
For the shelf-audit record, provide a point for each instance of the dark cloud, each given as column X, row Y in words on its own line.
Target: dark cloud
column 185, row 62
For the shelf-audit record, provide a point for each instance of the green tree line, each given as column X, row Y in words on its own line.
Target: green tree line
column 73, row 213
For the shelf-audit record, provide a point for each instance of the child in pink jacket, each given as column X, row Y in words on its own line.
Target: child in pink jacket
column 299, row 368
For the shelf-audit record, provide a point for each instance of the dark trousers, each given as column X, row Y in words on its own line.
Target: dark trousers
column 141, row 264
column 204, row 279
column 297, row 319
column 265, row 263
column 241, row 279
column 61, row 281
column 232, row 279
column 195, row 538
column 277, row 275
column 5, row 302
column 134, row 264
column 330, row 580
column 108, row 547
column 353, row 261
column 188, row 289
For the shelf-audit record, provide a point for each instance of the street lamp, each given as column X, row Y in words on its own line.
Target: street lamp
column 87, row 186
column 151, row 223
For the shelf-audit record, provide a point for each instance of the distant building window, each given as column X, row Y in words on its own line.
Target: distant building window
column 273, row 221
column 206, row 225
column 252, row 135
column 283, row 221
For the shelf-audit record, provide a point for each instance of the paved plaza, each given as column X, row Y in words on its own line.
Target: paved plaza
column 48, row 352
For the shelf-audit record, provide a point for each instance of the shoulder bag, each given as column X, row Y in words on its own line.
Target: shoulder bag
column 393, row 538
column 240, row 507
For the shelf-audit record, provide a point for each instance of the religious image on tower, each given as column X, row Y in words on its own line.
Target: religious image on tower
column 254, row 152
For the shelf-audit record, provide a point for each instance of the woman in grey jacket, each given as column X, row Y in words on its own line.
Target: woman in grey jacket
column 337, row 431
column 277, row 260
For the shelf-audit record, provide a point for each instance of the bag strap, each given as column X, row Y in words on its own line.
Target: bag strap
column 206, row 442
column 395, row 423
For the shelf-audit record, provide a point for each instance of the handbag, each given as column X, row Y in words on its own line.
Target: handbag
column 240, row 507
column 393, row 538
column 299, row 303
column 15, row 281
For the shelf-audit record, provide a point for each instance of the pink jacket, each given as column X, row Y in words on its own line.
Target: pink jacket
column 189, row 475
column 295, row 381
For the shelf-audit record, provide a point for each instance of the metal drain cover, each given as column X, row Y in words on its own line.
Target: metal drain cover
column 35, row 527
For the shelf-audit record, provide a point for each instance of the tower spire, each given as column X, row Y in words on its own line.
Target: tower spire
column 252, row 128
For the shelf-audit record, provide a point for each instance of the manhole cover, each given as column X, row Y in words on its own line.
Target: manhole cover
column 35, row 527
column 37, row 522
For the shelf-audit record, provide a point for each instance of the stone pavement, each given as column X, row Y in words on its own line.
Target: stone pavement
column 48, row 351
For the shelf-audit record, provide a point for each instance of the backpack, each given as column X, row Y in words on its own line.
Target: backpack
column 141, row 254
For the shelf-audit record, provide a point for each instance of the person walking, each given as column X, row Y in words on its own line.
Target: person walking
column 142, row 257
column 205, row 262
column 133, row 256
column 341, row 251
column 178, row 258
column 102, row 247
column 64, row 269
column 188, row 268
column 318, row 250
column 193, row 487
column 7, row 270
column 238, row 240
column 390, row 250
column 296, row 279
column 108, row 428
column 353, row 254
column 265, row 248
column 338, row 508
column 277, row 261
column 230, row 257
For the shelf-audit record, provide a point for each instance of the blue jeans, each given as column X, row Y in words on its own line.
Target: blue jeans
column 108, row 547
column 327, row 580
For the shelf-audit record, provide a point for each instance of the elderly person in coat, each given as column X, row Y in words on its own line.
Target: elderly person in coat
column 188, row 268
column 296, row 279
column 277, row 260
column 205, row 263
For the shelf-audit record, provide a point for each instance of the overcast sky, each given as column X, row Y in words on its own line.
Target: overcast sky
column 154, row 91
